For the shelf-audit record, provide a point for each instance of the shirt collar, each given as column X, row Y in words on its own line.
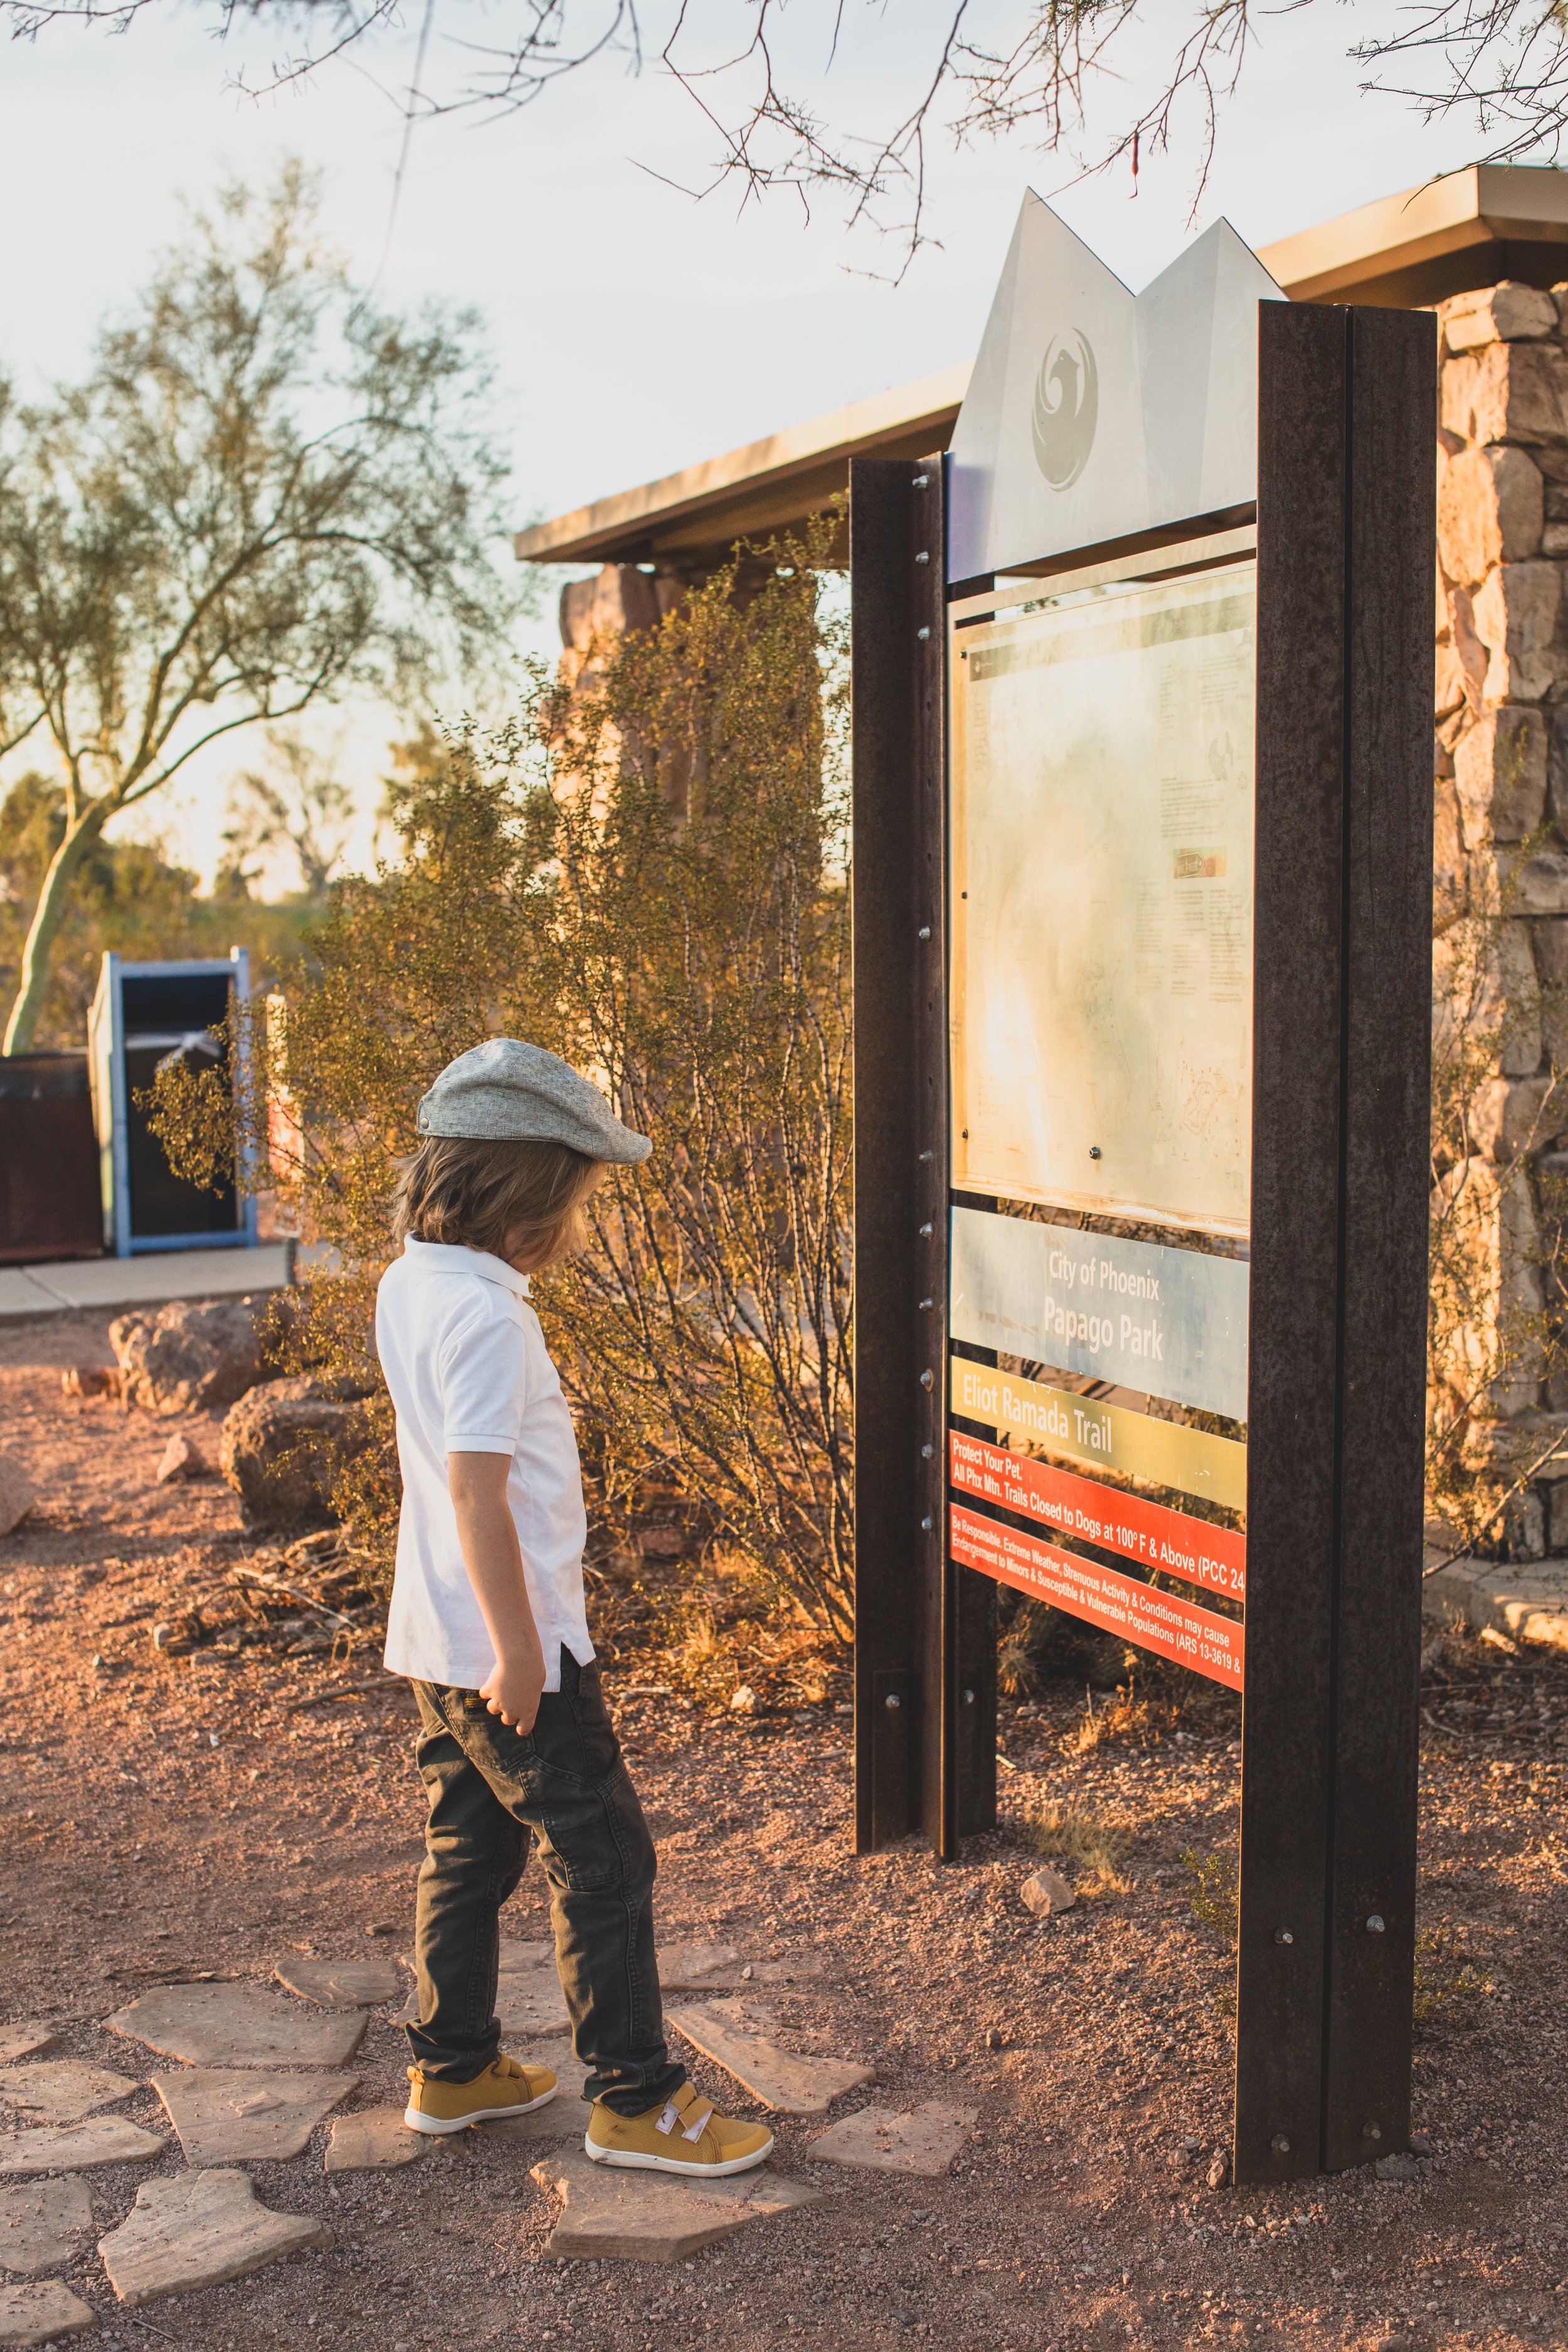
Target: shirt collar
column 454, row 1257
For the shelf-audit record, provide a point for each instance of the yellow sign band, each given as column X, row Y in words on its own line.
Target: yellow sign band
column 1106, row 1435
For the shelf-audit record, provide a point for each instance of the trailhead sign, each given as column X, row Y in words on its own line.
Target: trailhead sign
column 1140, row 676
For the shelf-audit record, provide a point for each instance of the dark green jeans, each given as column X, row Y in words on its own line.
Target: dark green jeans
column 488, row 1787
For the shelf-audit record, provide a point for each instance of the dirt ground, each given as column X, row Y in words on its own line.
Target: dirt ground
column 213, row 1808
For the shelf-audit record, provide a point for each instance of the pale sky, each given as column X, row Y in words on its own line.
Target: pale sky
column 634, row 330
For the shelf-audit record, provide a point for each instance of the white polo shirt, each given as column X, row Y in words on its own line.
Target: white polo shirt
column 469, row 1374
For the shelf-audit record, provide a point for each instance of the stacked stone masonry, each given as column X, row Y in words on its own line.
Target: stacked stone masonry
column 1501, row 889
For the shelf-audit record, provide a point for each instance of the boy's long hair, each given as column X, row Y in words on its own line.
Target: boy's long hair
column 513, row 1199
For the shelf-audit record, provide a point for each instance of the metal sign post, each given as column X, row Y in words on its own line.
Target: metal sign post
column 1141, row 889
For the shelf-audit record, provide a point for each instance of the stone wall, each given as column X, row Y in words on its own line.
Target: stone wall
column 1500, row 892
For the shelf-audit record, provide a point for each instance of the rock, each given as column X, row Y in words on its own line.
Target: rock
column 619, row 598
column 995, row 2038
column 281, row 1445
column 90, row 1381
column 795, row 2085
column 182, row 1458
column 194, row 1355
column 62, row 2090
column 15, row 1494
column 609, row 2215
column 341, row 1984
column 924, row 2140
column 1398, row 2168
column 1491, row 506
column 373, row 2140
column 37, row 2314
column 743, row 1699
column 24, row 2040
column 698, row 1967
column 1497, row 314
column 1420, row 2143
column 1047, row 1892
column 1500, row 772
column 228, row 2115
column 195, row 2230
column 1516, row 620
column 1510, row 1116
column 236, row 2025
column 1218, row 2172
column 1507, row 392
column 42, row 2226
column 106, row 2139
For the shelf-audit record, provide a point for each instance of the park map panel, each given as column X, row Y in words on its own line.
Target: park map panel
column 1102, row 820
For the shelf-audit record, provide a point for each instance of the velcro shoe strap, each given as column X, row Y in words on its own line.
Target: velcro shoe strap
column 694, row 2130
column 669, row 2120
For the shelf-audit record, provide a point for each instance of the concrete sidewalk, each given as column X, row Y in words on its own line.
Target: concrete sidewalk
column 113, row 1283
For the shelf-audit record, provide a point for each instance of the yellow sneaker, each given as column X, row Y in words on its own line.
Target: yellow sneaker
column 504, row 2089
column 687, row 2134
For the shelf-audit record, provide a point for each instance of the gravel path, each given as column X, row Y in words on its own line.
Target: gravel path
column 179, row 1810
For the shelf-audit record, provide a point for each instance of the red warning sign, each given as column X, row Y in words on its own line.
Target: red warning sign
column 1146, row 1532
column 1162, row 1622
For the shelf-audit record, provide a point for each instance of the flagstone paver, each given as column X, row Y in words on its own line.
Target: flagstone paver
column 196, row 2229
column 698, row 1967
column 610, row 2215
column 37, row 2314
column 371, row 2141
column 529, row 1998
column 42, row 2225
column 104, row 2139
column 924, row 2139
column 341, row 1984
column 24, row 2041
column 779, row 2078
column 234, row 2114
column 237, row 2025
column 61, row 2090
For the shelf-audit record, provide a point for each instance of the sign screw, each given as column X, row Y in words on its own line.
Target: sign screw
column 1283, row 1936
column 1094, row 1151
column 1372, row 2131
column 925, row 1452
column 967, row 1696
column 925, row 556
column 927, row 1379
column 926, row 1526
column 1279, row 2144
column 926, row 1159
column 892, row 1700
column 922, row 482
column 1374, row 1924
column 926, row 1305
column 925, row 1232
column 923, row 634
column 924, row 932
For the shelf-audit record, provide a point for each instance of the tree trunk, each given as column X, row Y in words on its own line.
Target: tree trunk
column 44, row 928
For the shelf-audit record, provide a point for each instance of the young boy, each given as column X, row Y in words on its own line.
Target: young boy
column 487, row 1620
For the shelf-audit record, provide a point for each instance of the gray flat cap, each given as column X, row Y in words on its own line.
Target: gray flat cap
column 507, row 1091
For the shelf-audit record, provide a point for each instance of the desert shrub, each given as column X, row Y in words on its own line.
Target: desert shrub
column 649, row 877
column 1215, row 1890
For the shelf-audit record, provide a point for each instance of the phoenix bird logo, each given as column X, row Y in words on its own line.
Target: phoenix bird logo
column 1067, row 408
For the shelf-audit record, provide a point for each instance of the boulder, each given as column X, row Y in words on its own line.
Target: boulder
column 192, row 1356
column 1046, row 1893
column 282, row 1444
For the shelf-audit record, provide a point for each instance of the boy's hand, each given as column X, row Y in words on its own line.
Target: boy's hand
column 514, row 1688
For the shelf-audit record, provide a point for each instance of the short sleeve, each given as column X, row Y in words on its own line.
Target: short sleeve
column 484, row 1384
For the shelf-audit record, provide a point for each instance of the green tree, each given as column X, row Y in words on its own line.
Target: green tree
column 128, row 895
column 265, row 492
